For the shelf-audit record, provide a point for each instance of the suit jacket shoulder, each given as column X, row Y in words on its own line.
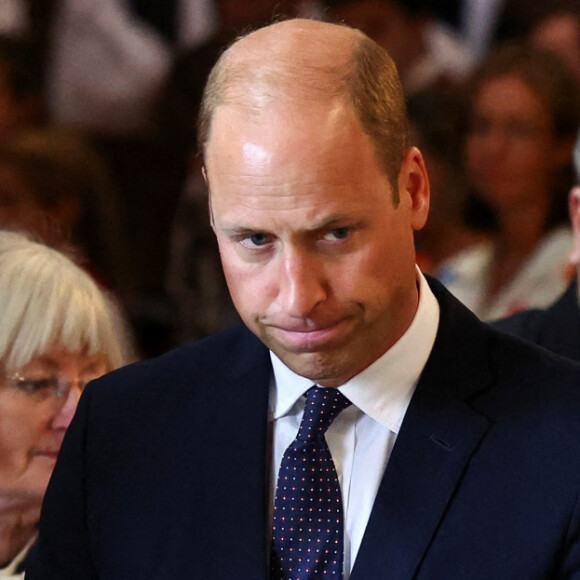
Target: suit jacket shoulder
column 556, row 328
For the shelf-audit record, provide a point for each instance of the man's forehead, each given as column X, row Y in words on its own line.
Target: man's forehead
column 279, row 127
column 285, row 155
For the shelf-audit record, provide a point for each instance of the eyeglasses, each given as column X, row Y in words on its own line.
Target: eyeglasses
column 43, row 388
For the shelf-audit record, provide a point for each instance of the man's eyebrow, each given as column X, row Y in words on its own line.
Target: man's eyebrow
column 335, row 221
column 238, row 229
column 330, row 221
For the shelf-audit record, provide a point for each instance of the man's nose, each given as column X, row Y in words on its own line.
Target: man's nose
column 302, row 283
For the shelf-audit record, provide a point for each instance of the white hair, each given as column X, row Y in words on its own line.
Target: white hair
column 46, row 299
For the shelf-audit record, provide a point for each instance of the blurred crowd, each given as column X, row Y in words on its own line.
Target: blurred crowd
column 98, row 108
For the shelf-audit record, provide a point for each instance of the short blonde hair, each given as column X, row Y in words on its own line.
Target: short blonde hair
column 47, row 299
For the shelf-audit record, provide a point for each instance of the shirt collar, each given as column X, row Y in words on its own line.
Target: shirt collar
column 383, row 390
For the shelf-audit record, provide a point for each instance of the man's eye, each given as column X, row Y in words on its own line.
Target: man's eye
column 256, row 240
column 337, row 234
column 35, row 385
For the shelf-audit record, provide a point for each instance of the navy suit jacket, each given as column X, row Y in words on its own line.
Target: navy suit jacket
column 556, row 328
column 164, row 472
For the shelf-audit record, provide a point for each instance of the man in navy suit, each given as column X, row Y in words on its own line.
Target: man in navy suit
column 460, row 454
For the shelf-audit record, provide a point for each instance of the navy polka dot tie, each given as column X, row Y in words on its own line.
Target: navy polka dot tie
column 307, row 539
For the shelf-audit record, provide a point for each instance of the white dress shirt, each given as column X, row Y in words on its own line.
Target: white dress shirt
column 362, row 436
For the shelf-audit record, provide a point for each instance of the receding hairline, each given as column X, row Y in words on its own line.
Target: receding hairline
column 302, row 62
column 308, row 42
column 291, row 60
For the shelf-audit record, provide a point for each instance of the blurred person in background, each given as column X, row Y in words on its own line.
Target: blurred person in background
column 21, row 86
column 558, row 31
column 523, row 113
column 557, row 327
column 427, row 52
column 105, row 63
column 55, row 186
column 56, row 334
column 483, row 24
column 435, row 127
column 108, row 59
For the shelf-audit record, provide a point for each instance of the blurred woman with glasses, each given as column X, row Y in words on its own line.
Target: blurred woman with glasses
column 522, row 120
column 56, row 334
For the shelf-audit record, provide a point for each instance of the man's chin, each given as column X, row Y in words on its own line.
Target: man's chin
column 318, row 367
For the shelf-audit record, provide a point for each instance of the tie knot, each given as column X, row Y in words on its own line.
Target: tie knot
column 322, row 407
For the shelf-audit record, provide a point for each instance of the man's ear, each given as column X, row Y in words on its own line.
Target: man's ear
column 414, row 186
column 574, row 209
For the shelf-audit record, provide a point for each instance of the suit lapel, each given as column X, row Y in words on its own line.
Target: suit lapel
column 426, row 465
column 438, row 436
